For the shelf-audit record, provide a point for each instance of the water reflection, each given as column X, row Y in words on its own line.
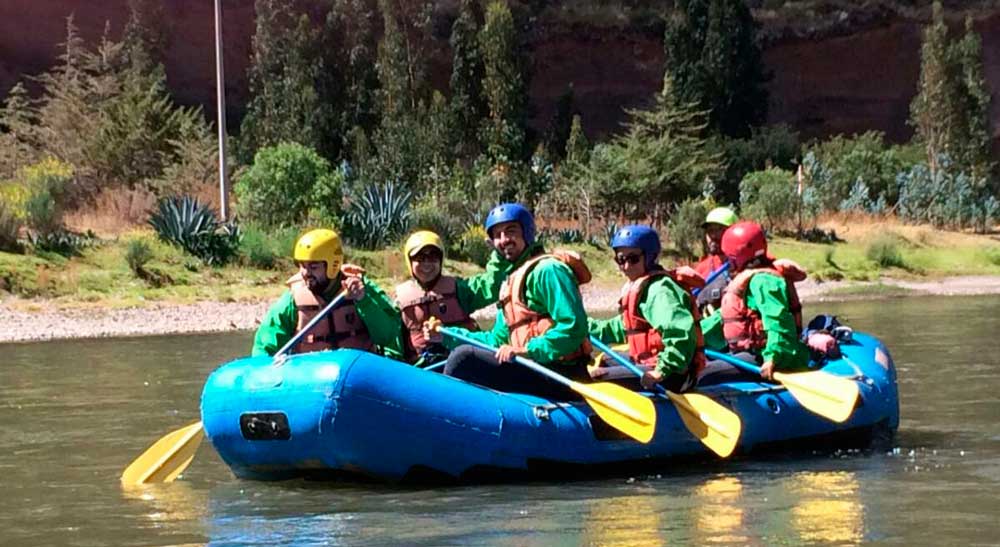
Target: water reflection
column 625, row 521
column 168, row 502
column 829, row 507
column 719, row 508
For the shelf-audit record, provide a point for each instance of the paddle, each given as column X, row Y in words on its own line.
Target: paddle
column 714, row 425
column 170, row 456
column 830, row 396
column 625, row 410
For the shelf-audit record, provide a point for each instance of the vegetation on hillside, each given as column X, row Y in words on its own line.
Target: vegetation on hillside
column 345, row 129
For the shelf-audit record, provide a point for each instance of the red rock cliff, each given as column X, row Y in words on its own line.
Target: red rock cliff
column 844, row 84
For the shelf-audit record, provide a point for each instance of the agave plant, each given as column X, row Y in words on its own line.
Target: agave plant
column 192, row 226
column 378, row 217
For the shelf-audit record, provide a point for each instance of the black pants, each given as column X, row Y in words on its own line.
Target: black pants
column 478, row 366
column 719, row 372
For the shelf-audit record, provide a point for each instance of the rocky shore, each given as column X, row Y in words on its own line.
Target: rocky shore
column 49, row 322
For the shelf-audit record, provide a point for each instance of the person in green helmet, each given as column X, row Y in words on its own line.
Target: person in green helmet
column 366, row 320
column 716, row 222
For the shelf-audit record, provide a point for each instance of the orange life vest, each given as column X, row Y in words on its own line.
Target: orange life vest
column 525, row 323
column 417, row 305
column 644, row 341
column 742, row 326
column 342, row 329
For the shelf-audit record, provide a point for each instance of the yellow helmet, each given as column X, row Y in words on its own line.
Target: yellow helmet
column 321, row 245
column 421, row 239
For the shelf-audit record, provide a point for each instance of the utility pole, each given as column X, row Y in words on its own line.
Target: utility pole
column 220, row 93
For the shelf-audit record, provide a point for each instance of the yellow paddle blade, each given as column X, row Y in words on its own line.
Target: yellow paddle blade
column 716, row 426
column 832, row 397
column 623, row 409
column 167, row 458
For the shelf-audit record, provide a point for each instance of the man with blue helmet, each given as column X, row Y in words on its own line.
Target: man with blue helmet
column 542, row 316
column 659, row 318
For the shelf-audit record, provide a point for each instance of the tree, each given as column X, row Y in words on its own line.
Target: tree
column 974, row 105
column 144, row 39
column 350, row 29
column 561, row 124
column 286, row 71
column 714, row 58
column 932, row 112
column 468, row 107
column 503, row 84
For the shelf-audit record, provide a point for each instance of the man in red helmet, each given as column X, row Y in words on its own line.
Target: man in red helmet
column 760, row 312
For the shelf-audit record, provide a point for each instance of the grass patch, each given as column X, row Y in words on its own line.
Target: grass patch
column 884, row 252
column 874, row 290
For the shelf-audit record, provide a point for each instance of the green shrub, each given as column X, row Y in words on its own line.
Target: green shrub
column 993, row 256
column 9, row 228
column 429, row 216
column 45, row 183
column 278, row 190
column 267, row 249
column 192, row 226
column 137, row 254
column 884, row 251
column 685, row 230
column 769, row 197
column 61, row 242
column 473, row 245
column 378, row 217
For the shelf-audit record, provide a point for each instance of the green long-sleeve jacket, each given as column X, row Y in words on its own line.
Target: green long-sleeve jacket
column 481, row 290
column 768, row 295
column 550, row 288
column 664, row 304
column 375, row 310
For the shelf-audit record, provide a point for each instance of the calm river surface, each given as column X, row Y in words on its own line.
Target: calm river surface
column 73, row 414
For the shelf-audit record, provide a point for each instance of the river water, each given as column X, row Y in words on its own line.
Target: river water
column 73, row 414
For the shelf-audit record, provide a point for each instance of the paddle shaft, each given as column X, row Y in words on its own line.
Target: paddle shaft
column 309, row 326
column 517, row 358
column 711, row 277
column 622, row 361
column 740, row 363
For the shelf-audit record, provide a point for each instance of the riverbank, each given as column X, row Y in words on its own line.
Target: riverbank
column 37, row 321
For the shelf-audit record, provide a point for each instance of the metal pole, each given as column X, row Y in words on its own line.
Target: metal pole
column 220, row 94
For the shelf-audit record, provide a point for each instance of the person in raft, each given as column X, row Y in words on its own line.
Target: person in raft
column 716, row 222
column 541, row 315
column 760, row 316
column 365, row 320
column 658, row 319
column 450, row 299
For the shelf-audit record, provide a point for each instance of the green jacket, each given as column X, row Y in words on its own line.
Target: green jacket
column 768, row 296
column 375, row 310
column 664, row 304
column 551, row 289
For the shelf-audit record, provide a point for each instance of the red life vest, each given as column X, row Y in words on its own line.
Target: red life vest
column 417, row 305
column 644, row 341
column 342, row 329
column 742, row 326
column 525, row 323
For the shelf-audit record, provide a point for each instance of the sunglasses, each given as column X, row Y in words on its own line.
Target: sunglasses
column 631, row 259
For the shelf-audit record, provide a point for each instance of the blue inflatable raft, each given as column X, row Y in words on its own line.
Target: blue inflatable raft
column 349, row 412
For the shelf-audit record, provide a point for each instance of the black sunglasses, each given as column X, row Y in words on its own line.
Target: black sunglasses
column 631, row 259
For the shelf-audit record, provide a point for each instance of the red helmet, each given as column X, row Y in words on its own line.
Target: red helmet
column 743, row 242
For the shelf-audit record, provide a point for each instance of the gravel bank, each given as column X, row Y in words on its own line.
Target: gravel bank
column 50, row 323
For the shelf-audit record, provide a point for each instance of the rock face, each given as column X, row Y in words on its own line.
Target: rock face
column 843, row 84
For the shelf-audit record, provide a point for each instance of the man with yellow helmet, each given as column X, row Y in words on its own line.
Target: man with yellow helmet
column 366, row 320
column 450, row 299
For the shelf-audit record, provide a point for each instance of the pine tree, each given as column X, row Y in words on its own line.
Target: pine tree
column 468, row 107
column 350, row 29
column 286, row 74
column 932, row 112
column 713, row 56
column 577, row 145
column 503, row 84
column 561, row 123
column 17, row 129
column 974, row 104
column 143, row 38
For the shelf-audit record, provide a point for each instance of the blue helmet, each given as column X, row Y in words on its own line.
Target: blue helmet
column 642, row 237
column 513, row 212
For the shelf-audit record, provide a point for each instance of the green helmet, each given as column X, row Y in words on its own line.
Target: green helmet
column 720, row 215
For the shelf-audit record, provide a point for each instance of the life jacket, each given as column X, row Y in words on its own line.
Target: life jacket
column 742, row 326
column 417, row 305
column 644, row 341
column 525, row 323
column 342, row 329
